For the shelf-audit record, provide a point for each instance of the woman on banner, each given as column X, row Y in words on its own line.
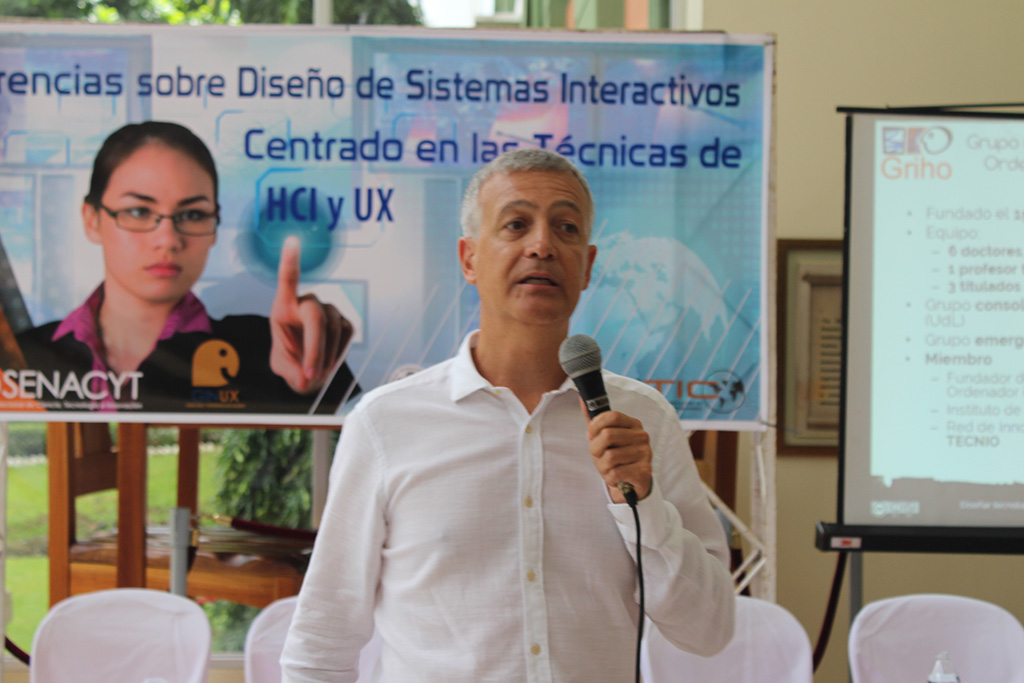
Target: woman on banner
column 143, row 338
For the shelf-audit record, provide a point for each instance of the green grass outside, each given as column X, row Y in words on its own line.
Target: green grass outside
column 27, row 581
column 27, row 528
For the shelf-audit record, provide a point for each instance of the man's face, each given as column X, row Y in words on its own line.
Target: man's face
column 531, row 259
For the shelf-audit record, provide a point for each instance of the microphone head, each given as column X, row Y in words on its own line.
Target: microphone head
column 578, row 355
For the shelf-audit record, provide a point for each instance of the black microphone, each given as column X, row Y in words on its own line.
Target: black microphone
column 580, row 358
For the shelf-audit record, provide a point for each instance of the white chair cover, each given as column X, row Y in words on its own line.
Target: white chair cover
column 128, row 635
column 768, row 646
column 896, row 640
column 265, row 640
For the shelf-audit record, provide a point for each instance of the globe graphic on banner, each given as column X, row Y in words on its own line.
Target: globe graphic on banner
column 270, row 232
column 636, row 298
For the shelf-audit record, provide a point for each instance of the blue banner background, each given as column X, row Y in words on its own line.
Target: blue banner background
column 678, row 292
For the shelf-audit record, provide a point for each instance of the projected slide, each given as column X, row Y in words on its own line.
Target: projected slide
column 935, row 400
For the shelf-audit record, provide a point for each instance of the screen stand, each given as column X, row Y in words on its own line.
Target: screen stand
column 856, row 587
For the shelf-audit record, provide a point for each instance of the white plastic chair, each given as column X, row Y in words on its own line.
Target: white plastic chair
column 768, row 646
column 265, row 640
column 129, row 635
column 896, row 639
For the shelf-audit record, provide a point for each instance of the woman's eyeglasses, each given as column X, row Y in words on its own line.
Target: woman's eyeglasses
column 188, row 222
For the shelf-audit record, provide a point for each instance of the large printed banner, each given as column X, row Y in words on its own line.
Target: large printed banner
column 360, row 142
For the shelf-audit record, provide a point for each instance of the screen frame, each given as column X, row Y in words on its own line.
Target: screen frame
column 898, row 538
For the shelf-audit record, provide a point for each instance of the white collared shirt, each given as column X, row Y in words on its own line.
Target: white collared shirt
column 480, row 540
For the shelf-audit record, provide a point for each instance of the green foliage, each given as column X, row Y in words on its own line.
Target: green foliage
column 266, row 476
column 213, row 11
column 161, row 436
column 49, row 9
column 161, row 11
column 26, row 438
column 29, row 438
column 229, row 623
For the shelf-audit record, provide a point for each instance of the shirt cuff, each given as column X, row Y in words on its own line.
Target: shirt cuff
column 654, row 518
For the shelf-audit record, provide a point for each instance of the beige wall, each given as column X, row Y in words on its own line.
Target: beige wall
column 866, row 53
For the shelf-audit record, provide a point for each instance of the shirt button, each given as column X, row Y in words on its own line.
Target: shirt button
column 529, row 429
column 535, row 649
column 530, row 576
column 528, row 502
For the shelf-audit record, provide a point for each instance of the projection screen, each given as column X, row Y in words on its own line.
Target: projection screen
column 932, row 431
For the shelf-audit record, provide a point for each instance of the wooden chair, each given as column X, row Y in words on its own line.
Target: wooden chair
column 236, row 566
column 715, row 455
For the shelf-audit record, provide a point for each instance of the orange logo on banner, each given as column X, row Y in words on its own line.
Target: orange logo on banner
column 214, row 363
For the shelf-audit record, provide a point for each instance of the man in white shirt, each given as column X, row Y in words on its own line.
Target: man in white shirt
column 465, row 520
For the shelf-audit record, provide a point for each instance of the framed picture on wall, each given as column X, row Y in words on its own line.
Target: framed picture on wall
column 810, row 327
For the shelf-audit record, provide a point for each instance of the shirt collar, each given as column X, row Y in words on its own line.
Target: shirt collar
column 189, row 315
column 81, row 322
column 466, row 379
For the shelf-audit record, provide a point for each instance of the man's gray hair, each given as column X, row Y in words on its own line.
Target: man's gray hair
column 513, row 161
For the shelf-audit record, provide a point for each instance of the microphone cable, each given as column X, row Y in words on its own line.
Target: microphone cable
column 630, row 495
column 580, row 358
